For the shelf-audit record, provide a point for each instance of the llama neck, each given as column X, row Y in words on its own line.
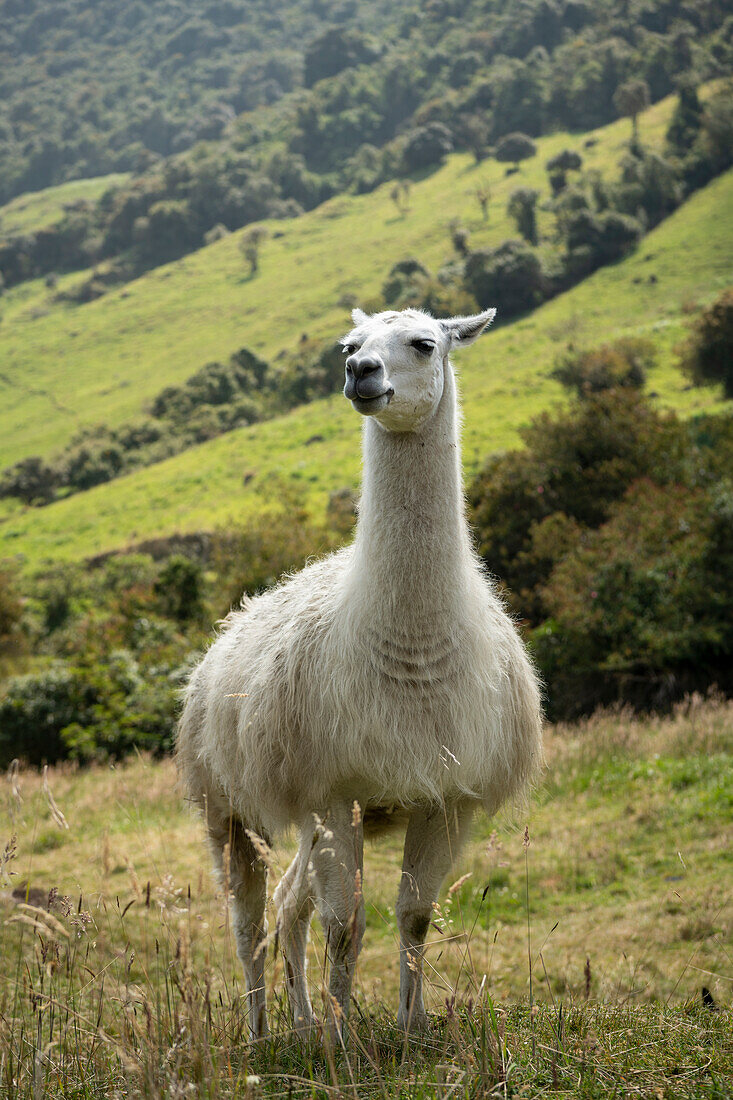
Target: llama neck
column 412, row 547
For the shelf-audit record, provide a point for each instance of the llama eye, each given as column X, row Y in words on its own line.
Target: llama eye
column 424, row 347
column 348, row 349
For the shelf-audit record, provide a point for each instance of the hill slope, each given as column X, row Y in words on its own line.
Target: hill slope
column 503, row 379
column 66, row 366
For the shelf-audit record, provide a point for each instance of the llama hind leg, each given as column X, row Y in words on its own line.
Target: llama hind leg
column 247, row 880
column 433, row 841
column 294, row 901
column 337, row 861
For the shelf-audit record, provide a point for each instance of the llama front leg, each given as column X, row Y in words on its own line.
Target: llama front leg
column 433, row 841
column 294, row 901
column 246, row 876
column 337, row 862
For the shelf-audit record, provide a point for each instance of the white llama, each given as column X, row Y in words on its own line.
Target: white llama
column 387, row 674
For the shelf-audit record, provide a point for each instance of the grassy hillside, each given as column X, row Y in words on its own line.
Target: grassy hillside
column 504, row 379
column 629, row 916
column 40, row 209
column 65, row 366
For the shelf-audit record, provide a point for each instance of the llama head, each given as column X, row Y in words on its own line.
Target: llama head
column 396, row 362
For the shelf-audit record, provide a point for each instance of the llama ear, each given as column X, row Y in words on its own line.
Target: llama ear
column 464, row 330
column 358, row 316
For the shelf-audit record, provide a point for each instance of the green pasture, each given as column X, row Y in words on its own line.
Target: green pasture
column 504, row 379
column 41, row 209
column 573, row 966
column 64, row 366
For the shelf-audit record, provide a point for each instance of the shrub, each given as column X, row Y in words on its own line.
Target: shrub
column 522, row 206
column 707, row 356
column 514, row 148
column 566, row 161
column 576, row 463
column 90, row 709
column 179, row 588
column 509, row 277
column 642, row 610
column 31, row 480
column 426, row 146
column 621, row 364
column 11, row 612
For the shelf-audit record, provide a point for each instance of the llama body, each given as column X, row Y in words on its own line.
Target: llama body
column 387, row 674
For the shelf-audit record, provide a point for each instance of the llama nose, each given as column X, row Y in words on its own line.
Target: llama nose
column 364, row 366
column 366, row 377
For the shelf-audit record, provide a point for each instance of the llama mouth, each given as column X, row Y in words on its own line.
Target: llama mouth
column 367, row 406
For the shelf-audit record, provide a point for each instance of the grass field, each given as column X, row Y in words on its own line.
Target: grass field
column 41, row 209
column 622, row 902
column 504, row 379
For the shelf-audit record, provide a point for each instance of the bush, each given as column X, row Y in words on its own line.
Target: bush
column 11, row 613
column 179, row 588
column 509, row 278
column 91, row 709
column 522, row 206
column 566, row 161
column 31, row 480
column 514, row 148
column 426, row 146
column 576, row 464
column 642, row 610
column 707, row 356
column 621, row 364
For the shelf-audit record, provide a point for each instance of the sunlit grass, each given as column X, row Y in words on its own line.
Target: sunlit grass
column 130, row 982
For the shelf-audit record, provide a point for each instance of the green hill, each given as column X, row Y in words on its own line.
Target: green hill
column 67, row 366
column 504, row 378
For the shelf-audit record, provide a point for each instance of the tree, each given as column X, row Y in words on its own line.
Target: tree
column 630, row 99
column 31, row 480
column 522, row 206
column 566, row 161
column 624, row 363
column 707, row 356
column 426, row 146
column 508, row 277
column 686, row 121
column 514, row 148
column 483, row 197
column 250, row 243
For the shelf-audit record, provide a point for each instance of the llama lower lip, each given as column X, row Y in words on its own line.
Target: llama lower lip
column 367, row 406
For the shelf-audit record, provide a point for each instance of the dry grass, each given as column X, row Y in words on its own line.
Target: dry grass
column 118, row 974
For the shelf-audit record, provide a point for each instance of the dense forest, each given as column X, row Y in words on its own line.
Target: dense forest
column 229, row 113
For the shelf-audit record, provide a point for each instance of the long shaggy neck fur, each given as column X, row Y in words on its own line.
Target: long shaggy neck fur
column 412, row 547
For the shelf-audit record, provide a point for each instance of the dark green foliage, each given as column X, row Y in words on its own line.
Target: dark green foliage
column 508, row 277
column 336, row 49
column 648, row 183
column 630, row 99
column 522, row 206
column 426, row 146
column 215, row 384
column 622, row 364
column 179, row 588
column 31, row 480
column 707, row 356
column 159, row 93
column 643, row 607
column 86, row 710
column 575, row 466
column 686, row 121
column 11, row 612
column 596, row 239
column 566, row 161
column 515, row 148
column 613, row 530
